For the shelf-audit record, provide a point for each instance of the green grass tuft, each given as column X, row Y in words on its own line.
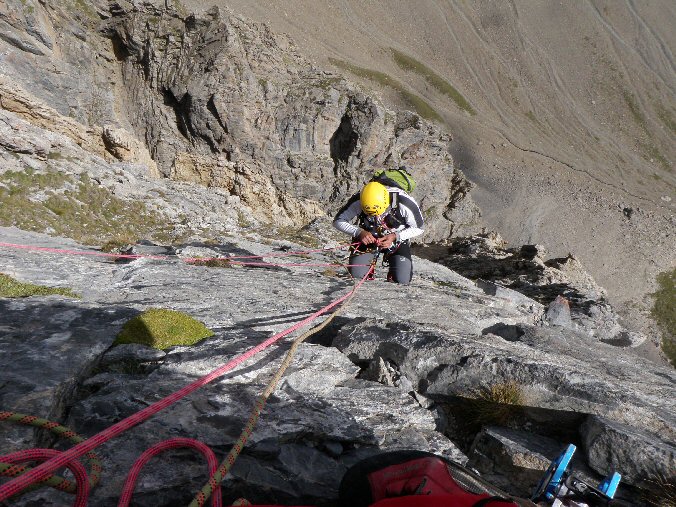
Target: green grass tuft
column 635, row 109
column 664, row 312
column 421, row 107
column 662, row 492
column 161, row 329
column 300, row 236
column 531, row 116
column 11, row 288
column 667, row 119
column 117, row 244
column 497, row 404
column 75, row 207
column 212, row 263
column 417, row 104
column 650, row 151
column 408, row 63
column 84, row 7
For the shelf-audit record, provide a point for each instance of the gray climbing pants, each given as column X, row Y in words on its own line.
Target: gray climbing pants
column 401, row 265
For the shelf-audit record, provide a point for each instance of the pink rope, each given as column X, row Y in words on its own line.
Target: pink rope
column 76, row 467
column 172, row 443
column 45, row 469
column 81, row 252
column 287, row 264
column 64, row 251
column 192, row 259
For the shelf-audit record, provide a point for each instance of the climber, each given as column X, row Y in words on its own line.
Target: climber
column 387, row 219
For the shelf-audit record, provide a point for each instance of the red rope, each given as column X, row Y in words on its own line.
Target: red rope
column 190, row 260
column 172, row 443
column 76, row 467
column 62, row 459
column 64, row 251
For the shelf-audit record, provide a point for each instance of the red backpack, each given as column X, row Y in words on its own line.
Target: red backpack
column 415, row 479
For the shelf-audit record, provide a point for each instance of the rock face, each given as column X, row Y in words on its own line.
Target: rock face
column 214, row 108
column 375, row 379
column 220, row 101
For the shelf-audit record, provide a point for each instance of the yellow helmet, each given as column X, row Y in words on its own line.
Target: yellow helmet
column 375, row 199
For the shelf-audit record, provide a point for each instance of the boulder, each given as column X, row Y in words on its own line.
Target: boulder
column 639, row 456
column 558, row 312
column 513, row 460
column 485, row 258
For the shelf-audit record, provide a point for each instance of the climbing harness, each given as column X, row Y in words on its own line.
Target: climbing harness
column 371, row 275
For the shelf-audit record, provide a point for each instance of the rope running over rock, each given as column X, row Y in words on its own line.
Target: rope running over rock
column 237, row 448
column 61, row 459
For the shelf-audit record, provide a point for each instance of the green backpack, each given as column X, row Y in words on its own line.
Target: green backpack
column 399, row 178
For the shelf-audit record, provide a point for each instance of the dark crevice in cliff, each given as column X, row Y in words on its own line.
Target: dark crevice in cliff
column 343, row 142
column 181, row 110
column 211, row 107
column 120, row 49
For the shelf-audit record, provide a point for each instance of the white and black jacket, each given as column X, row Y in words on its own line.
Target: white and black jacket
column 402, row 218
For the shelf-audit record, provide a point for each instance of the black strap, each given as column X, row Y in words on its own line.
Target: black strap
column 486, row 501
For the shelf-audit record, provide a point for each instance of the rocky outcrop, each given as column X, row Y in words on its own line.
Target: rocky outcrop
column 18, row 101
column 560, row 370
column 572, row 297
column 550, row 363
column 392, row 379
column 609, row 442
column 218, row 100
column 214, row 107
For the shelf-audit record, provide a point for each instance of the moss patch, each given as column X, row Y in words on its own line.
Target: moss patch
column 649, row 151
column 161, row 329
column 437, row 82
column 414, row 102
column 11, row 288
column 72, row 206
column 664, row 312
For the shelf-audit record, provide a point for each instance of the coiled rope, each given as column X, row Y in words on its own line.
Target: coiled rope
column 172, row 443
column 82, row 489
column 59, row 483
